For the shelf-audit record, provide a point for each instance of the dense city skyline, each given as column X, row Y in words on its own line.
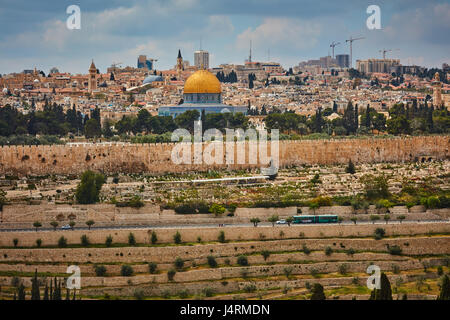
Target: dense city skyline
column 112, row 31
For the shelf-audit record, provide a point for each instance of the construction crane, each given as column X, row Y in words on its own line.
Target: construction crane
column 115, row 64
column 384, row 51
column 334, row 44
column 351, row 47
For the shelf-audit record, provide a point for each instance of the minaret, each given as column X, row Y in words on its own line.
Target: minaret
column 437, row 88
column 180, row 67
column 92, row 84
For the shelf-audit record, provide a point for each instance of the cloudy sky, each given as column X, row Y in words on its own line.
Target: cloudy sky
column 34, row 33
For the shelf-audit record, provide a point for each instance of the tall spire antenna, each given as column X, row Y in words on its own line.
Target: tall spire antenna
column 250, row 56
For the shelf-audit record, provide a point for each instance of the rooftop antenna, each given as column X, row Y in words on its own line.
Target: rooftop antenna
column 250, row 56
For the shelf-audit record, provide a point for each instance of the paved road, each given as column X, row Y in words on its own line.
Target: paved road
column 263, row 224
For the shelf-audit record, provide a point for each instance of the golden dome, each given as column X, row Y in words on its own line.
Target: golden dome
column 202, row 81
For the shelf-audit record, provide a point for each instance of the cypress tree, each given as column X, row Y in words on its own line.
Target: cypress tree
column 74, row 294
column 367, row 119
column 35, row 292
column 51, row 291
column 444, row 294
column 21, row 292
column 46, row 292
column 430, row 124
column 385, row 291
column 348, row 118
column 67, row 294
column 350, row 168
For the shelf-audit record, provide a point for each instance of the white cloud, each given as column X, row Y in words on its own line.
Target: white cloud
column 296, row 33
column 219, row 25
column 430, row 24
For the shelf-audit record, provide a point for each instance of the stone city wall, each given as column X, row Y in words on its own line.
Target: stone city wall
column 167, row 254
column 191, row 234
column 156, row 158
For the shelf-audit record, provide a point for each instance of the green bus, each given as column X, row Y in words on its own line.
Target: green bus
column 315, row 219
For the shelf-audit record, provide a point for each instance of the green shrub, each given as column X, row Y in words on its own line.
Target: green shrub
column 212, row 262
column 38, row 243
column 85, row 240
column 185, row 208
column 249, row 288
column 384, row 203
column 328, row 251
column 154, row 238
column 395, row 250
column 62, row 242
column 108, row 241
column 152, row 266
column 217, row 209
column 343, row 268
column 15, row 242
column 379, row 233
column 177, row 238
column 179, row 263
column 374, row 218
column 203, row 208
column 242, row 260
column 221, row 237
column 265, row 254
column 131, row 239
column 305, row 249
column 171, row 274
column 126, row 271
column 350, row 251
column 100, row 271
column 433, row 202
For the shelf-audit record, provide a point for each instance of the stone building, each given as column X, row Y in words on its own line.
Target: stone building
column 92, row 85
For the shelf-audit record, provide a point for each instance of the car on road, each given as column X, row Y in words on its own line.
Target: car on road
column 282, row 221
column 66, row 227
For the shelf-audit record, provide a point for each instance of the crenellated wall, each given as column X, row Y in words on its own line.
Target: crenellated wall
column 156, row 158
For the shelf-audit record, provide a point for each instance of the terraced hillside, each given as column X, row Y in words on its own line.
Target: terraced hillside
column 231, row 263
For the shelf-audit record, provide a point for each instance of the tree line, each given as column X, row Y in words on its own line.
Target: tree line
column 52, row 290
column 18, row 128
column 52, row 120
